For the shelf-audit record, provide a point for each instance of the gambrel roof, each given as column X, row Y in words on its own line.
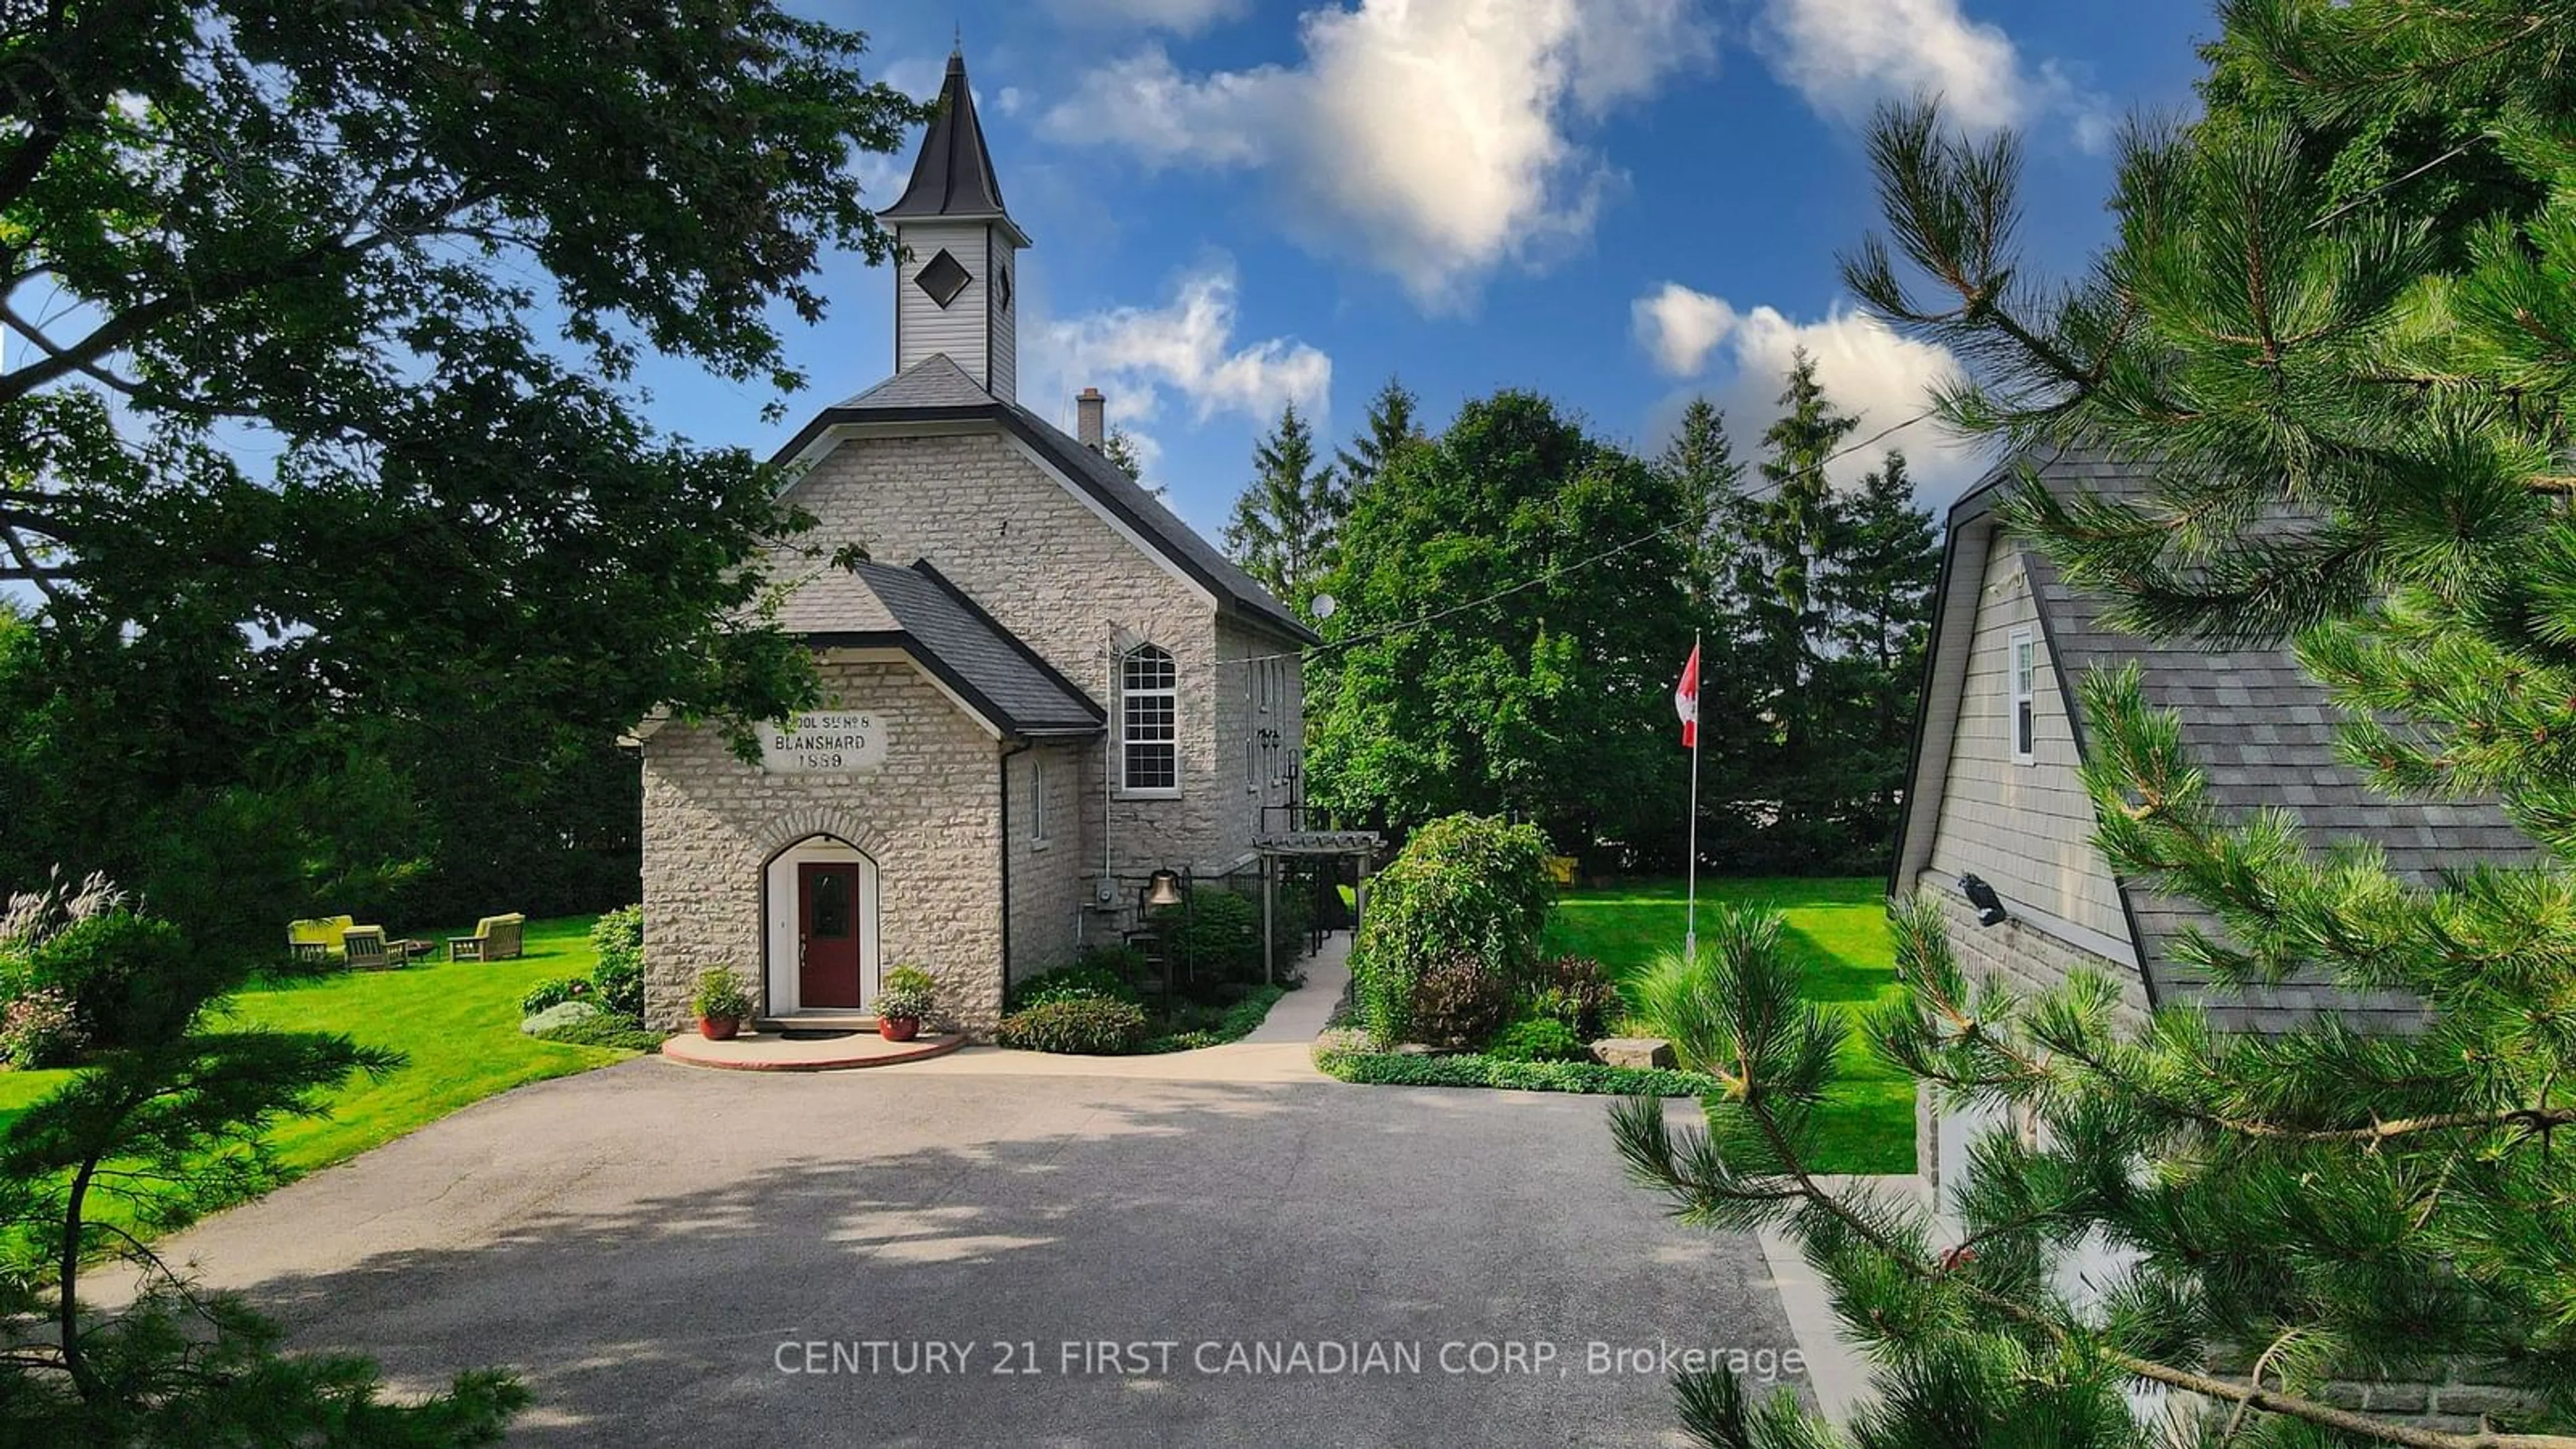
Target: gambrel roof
column 2259, row 727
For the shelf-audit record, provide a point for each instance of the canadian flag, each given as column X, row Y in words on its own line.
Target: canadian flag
column 1686, row 701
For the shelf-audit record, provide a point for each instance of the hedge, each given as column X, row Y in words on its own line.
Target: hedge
column 1401, row 1069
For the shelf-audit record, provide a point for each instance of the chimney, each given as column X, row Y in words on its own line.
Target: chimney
column 1091, row 418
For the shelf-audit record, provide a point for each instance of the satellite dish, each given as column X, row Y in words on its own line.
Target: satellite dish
column 1324, row 606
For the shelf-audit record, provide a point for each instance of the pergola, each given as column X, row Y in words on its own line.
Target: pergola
column 1277, row 846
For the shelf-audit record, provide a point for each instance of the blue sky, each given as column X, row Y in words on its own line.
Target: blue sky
column 1618, row 203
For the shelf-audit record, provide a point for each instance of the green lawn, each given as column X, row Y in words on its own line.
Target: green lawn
column 1838, row 926
column 457, row 1022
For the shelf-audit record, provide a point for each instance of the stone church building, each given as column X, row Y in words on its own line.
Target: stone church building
column 1040, row 685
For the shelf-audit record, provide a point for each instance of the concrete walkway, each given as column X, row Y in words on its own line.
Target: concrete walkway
column 1281, row 1049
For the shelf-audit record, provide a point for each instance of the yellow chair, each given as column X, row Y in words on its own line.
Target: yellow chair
column 495, row 938
column 320, row 938
column 1560, row 871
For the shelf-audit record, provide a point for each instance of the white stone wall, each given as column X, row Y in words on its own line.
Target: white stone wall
column 1001, row 527
column 929, row 818
column 1046, row 877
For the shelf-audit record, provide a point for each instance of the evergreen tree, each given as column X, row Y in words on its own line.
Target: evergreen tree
column 1285, row 521
column 2340, row 318
column 1877, row 595
column 1392, row 426
column 1120, row 449
column 1701, row 465
column 1786, row 786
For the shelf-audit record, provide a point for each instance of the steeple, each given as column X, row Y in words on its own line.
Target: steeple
column 954, row 288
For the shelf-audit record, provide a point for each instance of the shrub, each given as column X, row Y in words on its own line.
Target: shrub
column 721, row 995
column 556, row 993
column 1458, row 1002
column 1578, row 991
column 1081, row 1026
column 1215, row 937
column 618, row 937
column 1400, row 1070
column 1464, row 886
column 907, row 994
column 38, row 1030
column 1103, row 973
column 1537, row 1039
column 128, row 978
column 607, row 1030
column 1232, row 1023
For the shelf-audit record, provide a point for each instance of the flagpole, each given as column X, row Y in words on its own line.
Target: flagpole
column 1690, row 905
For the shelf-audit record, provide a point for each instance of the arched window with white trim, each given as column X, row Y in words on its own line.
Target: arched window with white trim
column 1149, row 722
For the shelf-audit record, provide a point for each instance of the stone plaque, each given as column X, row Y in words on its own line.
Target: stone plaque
column 826, row 742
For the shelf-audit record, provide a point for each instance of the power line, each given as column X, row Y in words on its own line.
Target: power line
column 1561, row 570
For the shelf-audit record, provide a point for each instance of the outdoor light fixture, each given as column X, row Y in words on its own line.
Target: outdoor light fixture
column 1990, row 907
column 1163, row 888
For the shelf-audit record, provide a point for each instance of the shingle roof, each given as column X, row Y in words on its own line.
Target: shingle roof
column 919, row 611
column 936, row 389
column 953, row 175
column 2262, row 731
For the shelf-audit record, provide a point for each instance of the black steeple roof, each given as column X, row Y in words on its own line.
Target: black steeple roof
column 954, row 174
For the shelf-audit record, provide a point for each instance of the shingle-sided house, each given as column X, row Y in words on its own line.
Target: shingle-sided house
column 1041, row 685
column 1993, row 791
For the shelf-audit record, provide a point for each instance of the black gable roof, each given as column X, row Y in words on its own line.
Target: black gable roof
column 917, row 610
column 937, row 390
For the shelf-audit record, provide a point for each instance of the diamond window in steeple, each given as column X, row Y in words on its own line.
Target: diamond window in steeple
column 1002, row 291
column 943, row 279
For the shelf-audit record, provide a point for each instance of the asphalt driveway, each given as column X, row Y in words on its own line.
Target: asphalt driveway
column 671, row 1255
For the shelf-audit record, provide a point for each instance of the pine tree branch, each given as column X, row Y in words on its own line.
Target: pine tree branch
column 2249, row 1396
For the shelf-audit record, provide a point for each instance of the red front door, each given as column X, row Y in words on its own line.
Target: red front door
column 827, row 930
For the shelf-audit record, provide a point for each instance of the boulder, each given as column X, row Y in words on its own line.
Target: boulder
column 563, row 1013
column 1633, row 1051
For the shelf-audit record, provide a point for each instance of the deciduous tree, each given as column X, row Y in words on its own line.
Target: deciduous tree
column 319, row 413
column 1551, row 702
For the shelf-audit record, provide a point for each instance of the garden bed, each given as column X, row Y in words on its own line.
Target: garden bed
column 1469, row 1069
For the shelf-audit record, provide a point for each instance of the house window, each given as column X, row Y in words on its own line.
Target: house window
column 1149, row 720
column 1038, row 824
column 2022, row 669
column 1251, row 769
column 1269, row 683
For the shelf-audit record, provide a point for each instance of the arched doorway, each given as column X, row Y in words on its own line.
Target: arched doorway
column 821, row 934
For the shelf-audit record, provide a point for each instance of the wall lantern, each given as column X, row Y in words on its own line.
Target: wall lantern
column 1990, row 907
column 1163, row 888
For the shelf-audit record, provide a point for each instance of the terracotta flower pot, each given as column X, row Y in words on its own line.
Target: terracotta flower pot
column 718, row 1028
column 898, row 1028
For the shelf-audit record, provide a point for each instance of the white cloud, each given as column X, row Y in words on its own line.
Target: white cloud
column 1144, row 357
column 1430, row 139
column 1845, row 56
column 1181, row 16
column 1869, row 371
column 1678, row 327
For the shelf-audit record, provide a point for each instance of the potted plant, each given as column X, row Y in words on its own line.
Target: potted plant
column 720, row 1003
column 907, row 996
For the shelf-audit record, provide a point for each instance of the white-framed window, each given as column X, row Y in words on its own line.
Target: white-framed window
column 1268, row 670
column 1039, row 785
column 2021, row 673
column 1251, row 766
column 1149, row 720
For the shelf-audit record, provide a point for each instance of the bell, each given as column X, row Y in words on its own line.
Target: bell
column 1163, row 888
